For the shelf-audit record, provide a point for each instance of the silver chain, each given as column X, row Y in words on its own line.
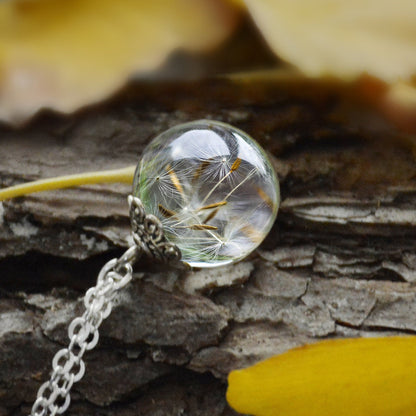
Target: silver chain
column 68, row 366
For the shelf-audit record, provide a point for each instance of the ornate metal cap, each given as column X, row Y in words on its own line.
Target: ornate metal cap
column 148, row 234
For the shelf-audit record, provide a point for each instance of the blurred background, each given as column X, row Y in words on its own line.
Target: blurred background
column 65, row 55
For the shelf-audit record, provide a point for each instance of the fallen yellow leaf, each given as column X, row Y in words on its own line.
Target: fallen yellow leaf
column 341, row 38
column 63, row 54
column 352, row 377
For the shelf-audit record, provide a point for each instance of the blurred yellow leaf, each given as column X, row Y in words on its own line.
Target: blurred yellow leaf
column 341, row 38
column 239, row 3
column 352, row 377
column 403, row 93
column 63, row 54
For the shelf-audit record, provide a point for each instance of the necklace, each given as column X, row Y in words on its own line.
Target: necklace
column 204, row 195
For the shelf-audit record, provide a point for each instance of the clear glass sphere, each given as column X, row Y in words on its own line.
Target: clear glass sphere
column 212, row 187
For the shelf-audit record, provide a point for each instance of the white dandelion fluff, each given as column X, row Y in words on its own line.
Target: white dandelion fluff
column 212, row 187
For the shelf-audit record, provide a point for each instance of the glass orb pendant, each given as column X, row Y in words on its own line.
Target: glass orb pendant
column 212, row 187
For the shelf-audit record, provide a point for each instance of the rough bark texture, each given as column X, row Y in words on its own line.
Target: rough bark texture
column 340, row 261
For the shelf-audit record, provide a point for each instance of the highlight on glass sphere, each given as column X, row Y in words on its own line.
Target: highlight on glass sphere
column 212, row 187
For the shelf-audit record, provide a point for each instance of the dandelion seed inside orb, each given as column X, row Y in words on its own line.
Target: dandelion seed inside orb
column 212, row 187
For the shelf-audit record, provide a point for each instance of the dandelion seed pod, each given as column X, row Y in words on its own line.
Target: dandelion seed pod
column 212, row 187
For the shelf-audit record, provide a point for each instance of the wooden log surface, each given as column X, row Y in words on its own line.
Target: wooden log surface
column 339, row 262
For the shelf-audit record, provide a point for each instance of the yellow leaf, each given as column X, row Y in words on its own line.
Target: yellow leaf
column 404, row 94
column 352, row 377
column 63, row 54
column 341, row 38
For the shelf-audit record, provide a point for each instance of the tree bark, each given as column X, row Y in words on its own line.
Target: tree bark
column 339, row 262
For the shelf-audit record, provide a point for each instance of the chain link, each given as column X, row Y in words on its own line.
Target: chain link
column 68, row 367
